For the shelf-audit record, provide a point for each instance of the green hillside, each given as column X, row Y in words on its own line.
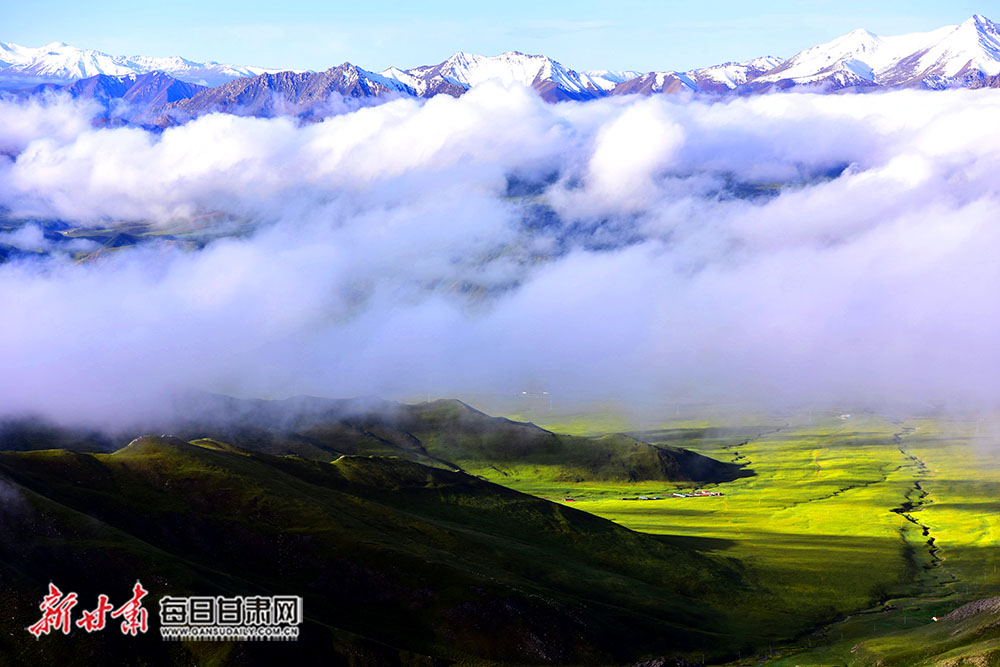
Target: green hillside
column 446, row 434
column 395, row 560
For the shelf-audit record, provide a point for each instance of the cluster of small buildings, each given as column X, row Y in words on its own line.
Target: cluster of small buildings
column 698, row 494
column 693, row 494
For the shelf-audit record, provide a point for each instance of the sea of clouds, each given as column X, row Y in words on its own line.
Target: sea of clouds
column 777, row 248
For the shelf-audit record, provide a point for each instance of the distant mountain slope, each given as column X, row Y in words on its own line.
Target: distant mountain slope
column 951, row 56
column 60, row 63
column 153, row 89
column 652, row 83
column 394, row 561
column 444, row 433
column 716, row 79
column 605, row 80
column 985, row 82
column 729, row 76
column 454, row 431
column 288, row 93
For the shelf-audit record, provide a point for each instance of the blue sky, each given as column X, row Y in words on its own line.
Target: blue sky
column 583, row 34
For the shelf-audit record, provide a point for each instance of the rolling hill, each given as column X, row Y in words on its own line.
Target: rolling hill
column 446, row 433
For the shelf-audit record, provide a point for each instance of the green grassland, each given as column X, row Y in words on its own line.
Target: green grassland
column 849, row 580
column 959, row 482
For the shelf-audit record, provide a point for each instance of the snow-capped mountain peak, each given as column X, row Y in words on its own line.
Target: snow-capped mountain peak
column 462, row 71
column 606, row 80
column 945, row 57
column 982, row 23
column 732, row 74
column 510, row 67
column 763, row 63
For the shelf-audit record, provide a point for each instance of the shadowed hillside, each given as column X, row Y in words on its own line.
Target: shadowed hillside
column 395, row 560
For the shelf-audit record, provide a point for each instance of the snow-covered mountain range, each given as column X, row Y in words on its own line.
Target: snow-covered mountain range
column 59, row 63
column 964, row 55
column 556, row 82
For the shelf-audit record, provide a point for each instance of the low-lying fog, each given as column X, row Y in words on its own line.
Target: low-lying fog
column 788, row 247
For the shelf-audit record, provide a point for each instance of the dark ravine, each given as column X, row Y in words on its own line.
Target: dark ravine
column 740, row 459
column 914, row 501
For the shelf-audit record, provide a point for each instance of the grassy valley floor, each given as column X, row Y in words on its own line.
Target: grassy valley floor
column 861, row 528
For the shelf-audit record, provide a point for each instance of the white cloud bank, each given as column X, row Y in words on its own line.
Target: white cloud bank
column 388, row 258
